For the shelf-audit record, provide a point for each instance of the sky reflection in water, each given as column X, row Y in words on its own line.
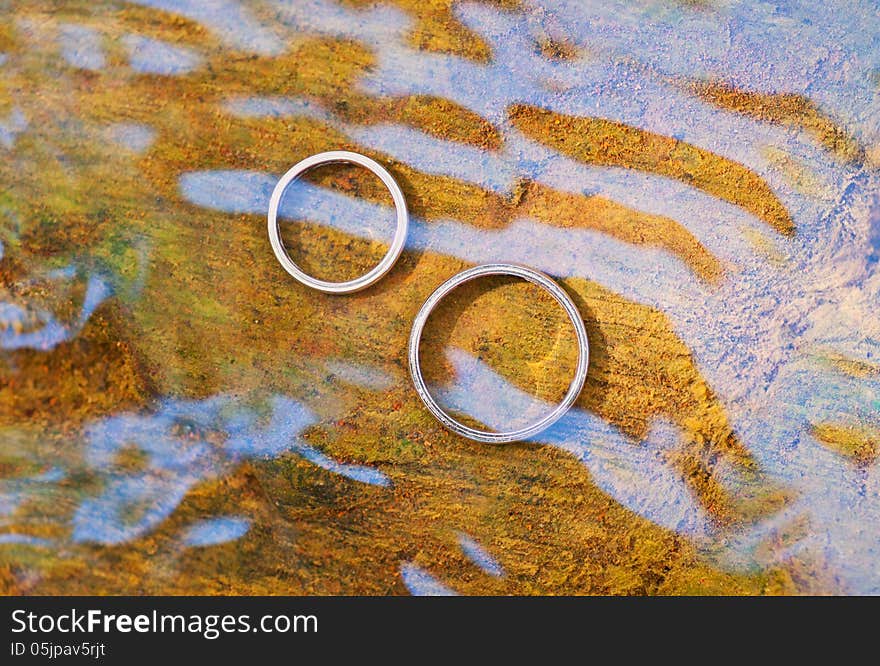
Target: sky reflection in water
column 754, row 336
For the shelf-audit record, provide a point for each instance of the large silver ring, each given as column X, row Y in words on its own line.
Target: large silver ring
column 558, row 294
column 397, row 243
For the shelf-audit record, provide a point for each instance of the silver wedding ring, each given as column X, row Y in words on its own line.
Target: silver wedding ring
column 397, row 243
column 385, row 265
column 574, row 388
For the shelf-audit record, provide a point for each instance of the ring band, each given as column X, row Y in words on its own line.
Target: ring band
column 529, row 275
column 397, row 243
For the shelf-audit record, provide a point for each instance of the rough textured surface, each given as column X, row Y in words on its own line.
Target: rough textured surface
column 704, row 199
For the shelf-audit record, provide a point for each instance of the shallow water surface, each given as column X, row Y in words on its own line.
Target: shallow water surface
column 178, row 415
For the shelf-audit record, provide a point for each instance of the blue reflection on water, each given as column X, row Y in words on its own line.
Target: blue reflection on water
column 133, row 136
column 638, row 475
column 52, row 475
column 361, row 375
column 216, row 531
column 232, row 22
column 50, row 331
column 751, row 335
column 496, row 172
column 153, row 56
column 11, row 126
column 230, row 191
column 874, row 236
column 763, row 317
column 15, row 488
column 560, row 252
column 24, row 540
column 16, row 492
column 422, row 584
column 131, row 506
column 81, row 46
column 187, row 442
column 360, row 473
column 479, row 556
column 9, row 502
column 276, row 107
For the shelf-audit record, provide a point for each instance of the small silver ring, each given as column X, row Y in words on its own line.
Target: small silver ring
column 574, row 389
column 388, row 261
